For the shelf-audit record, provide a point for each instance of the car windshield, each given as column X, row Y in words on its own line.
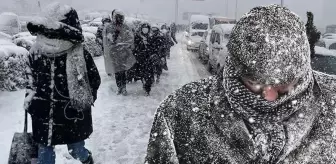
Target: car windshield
column 197, row 34
column 331, row 29
column 224, row 21
column 325, row 64
column 200, row 26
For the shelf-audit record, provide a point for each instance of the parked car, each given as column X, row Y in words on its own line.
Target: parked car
column 217, row 47
column 324, row 60
column 203, row 52
column 10, row 23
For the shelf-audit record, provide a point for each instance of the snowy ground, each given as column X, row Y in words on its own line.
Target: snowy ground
column 121, row 124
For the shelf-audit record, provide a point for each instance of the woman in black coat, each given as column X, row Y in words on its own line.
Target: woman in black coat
column 62, row 85
column 143, row 53
column 157, row 40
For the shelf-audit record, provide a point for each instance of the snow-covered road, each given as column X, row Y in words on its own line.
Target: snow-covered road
column 121, row 123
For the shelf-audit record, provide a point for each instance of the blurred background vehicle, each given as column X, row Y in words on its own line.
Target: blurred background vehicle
column 10, row 23
column 217, row 47
column 198, row 25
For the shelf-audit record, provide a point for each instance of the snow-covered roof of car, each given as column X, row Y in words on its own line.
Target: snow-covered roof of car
column 8, row 13
column 223, row 28
column 5, row 36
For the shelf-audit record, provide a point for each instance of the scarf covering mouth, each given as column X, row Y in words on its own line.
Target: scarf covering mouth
column 264, row 118
column 80, row 92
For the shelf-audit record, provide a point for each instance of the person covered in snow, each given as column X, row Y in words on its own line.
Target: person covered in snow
column 62, row 84
column 268, row 106
column 158, row 51
column 118, row 45
column 143, row 53
column 99, row 35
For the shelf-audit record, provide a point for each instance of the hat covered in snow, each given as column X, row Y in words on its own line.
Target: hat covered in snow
column 269, row 45
column 58, row 22
column 118, row 16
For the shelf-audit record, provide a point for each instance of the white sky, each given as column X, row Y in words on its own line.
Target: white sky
column 165, row 9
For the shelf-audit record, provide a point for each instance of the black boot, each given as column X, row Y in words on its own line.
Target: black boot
column 89, row 160
column 119, row 91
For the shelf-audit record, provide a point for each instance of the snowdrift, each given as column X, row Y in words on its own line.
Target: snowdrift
column 12, row 66
column 24, row 39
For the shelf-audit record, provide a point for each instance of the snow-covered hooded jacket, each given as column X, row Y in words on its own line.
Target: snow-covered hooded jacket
column 218, row 120
column 62, row 78
column 99, row 35
column 118, row 45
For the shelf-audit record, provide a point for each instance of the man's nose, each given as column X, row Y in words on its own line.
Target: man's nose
column 270, row 93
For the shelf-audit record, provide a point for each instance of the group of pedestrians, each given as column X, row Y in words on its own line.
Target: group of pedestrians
column 135, row 54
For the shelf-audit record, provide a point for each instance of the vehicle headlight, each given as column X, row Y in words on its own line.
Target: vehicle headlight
column 190, row 42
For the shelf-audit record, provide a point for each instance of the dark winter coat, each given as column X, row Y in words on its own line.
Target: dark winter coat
column 66, row 125
column 196, row 125
column 99, row 35
column 157, row 44
column 142, row 48
column 168, row 42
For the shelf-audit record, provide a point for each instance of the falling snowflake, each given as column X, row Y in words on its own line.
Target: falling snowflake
column 294, row 102
column 196, row 109
column 251, row 120
column 155, row 134
column 80, row 77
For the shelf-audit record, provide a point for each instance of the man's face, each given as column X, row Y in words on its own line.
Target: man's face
column 268, row 92
column 119, row 19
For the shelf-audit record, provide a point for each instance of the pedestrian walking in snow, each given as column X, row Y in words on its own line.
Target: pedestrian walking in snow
column 173, row 31
column 269, row 106
column 158, row 55
column 118, row 45
column 62, row 84
column 168, row 40
column 143, row 53
column 99, row 35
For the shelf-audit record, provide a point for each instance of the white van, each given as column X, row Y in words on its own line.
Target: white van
column 198, row 25
column 10, row 23
column 217, row 47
